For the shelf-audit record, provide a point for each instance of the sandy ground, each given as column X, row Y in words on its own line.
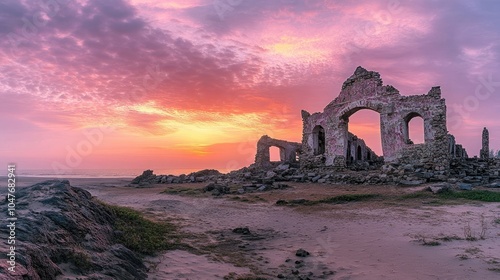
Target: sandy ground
column 377, row 239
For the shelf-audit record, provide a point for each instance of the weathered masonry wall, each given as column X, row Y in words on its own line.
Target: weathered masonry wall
column 358, row 151
column 325, row 138
column 485, row 148
column 289, row 151
column 456, row 150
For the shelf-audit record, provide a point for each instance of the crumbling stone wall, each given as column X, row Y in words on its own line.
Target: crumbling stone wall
column 460, row 152
column 358, row 151
column 456, row 151
column 475, row 170
column 485, row 148
column 288, row 151
column 365, row 90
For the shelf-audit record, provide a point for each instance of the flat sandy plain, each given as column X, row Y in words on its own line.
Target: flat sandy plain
column 386, row 237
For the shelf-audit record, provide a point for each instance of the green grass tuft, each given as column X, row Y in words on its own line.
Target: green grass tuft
column 419, row 194
column 142, row 235
column 343, row 198
column 188, row 192
column 449, row 238
column 431, row 243
column 481, row 195
column 81, row 260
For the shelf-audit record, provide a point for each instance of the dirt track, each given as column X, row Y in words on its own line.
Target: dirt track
column 381, row 238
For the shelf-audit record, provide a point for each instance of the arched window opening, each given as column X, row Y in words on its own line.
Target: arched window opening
column 359, row 156
column 414, row 129
column 274, row 154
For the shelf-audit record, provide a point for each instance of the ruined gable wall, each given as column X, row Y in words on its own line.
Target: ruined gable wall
column 288, row 151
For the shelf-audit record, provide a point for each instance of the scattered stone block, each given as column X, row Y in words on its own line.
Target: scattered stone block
column 464, row 186
column 495, row 184
column 242, row 230
column 439, row 188
column 302, row 253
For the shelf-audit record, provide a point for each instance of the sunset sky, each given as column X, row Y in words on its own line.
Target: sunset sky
column 194, row 84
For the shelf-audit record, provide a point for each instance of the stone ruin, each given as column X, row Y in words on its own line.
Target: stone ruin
column 485, row 148
column 289, row 151
column 330, row 154
column 327, row 143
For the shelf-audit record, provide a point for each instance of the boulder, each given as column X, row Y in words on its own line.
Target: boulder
column 439, row 188
column 316, row 178
column 282, row 167
column 242, row 230
column 67, row 234
column 146, row 178
column 270, row 174
column 464, row 186
column 281, row 202
column 216, row 189
column 302, row 253
column 495, row 184
column 263, row 188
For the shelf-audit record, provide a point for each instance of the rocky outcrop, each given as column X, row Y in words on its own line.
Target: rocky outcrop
column 478, row 172
column 62, row 231
column 148, row 178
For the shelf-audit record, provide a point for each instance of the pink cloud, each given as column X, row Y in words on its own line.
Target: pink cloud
column 92, row 61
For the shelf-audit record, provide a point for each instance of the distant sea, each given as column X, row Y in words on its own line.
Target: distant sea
column 93, row 173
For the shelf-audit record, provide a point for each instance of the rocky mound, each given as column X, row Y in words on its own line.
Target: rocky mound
column 148, row 178
column 477, row 172
column 62, row 231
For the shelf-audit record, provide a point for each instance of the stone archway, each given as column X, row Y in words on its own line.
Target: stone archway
column 343, row 120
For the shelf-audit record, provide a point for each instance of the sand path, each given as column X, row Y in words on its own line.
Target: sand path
column 355, row 240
